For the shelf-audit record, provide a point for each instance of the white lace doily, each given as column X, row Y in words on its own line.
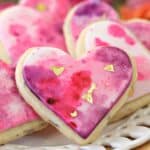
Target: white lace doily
column 124, row 135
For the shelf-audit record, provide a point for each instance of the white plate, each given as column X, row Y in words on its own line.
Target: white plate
column 124, row 135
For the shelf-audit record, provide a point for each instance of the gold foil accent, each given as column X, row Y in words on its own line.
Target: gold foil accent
column 88, row 96
column 74, row 114
column 109, row 68
column 57, row 70
column 41, row 7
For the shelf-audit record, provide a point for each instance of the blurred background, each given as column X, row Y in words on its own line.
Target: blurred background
column 126, row 8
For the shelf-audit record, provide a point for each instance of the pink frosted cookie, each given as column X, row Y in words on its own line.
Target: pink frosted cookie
column 74, row 2
column 16, row 117
column 141, row 29
column 82, row 15
column 22, row 27
column 109, row 33
column 56, row 9
column 78, row 97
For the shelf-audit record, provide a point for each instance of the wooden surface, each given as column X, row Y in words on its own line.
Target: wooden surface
column 144, row 147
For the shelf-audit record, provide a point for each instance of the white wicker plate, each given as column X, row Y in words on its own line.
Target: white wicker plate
column 124, row 135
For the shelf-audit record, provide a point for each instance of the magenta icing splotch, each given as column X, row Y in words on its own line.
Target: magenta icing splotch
column 13, row 110
column 22, row 28
column 99, row 42
column 88, row 12
column 116, row 31
column 141, row 29
column 65, row 94
column 119, row 32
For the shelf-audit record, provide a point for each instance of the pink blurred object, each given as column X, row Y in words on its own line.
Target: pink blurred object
column 6, row 5
column 136, row 3
column 22, row 28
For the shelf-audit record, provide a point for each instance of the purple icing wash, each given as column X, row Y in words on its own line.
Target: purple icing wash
column 88, row 12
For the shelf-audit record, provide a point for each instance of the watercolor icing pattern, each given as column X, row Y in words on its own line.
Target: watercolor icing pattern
column 13, row 111
column 141, row 29
column 82, row 15
column 74, row 92
column 27, row 28
column 118, row 32
column 88, row 12
column 114, row 34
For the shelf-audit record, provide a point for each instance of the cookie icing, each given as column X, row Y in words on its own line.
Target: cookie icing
column 141, row 29
column 115, row 34
column 13, row 110
column 79, row 96
column 22, row 28
column 49, row 7
column 88, row 12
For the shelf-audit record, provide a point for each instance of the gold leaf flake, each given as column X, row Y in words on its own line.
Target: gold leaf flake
column 74, row 114
column 88, row 96
column 109, row 68
column 41, row 7
column 57, row 70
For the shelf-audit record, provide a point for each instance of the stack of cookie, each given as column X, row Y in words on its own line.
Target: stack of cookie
column 72, row 64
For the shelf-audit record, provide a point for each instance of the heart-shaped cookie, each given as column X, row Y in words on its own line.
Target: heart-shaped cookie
column 82, row 15
column 78, row 97
column 141, row 29
column 22, row 27
column 109, row 33
column 16, row 117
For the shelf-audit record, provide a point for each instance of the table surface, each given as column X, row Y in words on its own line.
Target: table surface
column 144, row 147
